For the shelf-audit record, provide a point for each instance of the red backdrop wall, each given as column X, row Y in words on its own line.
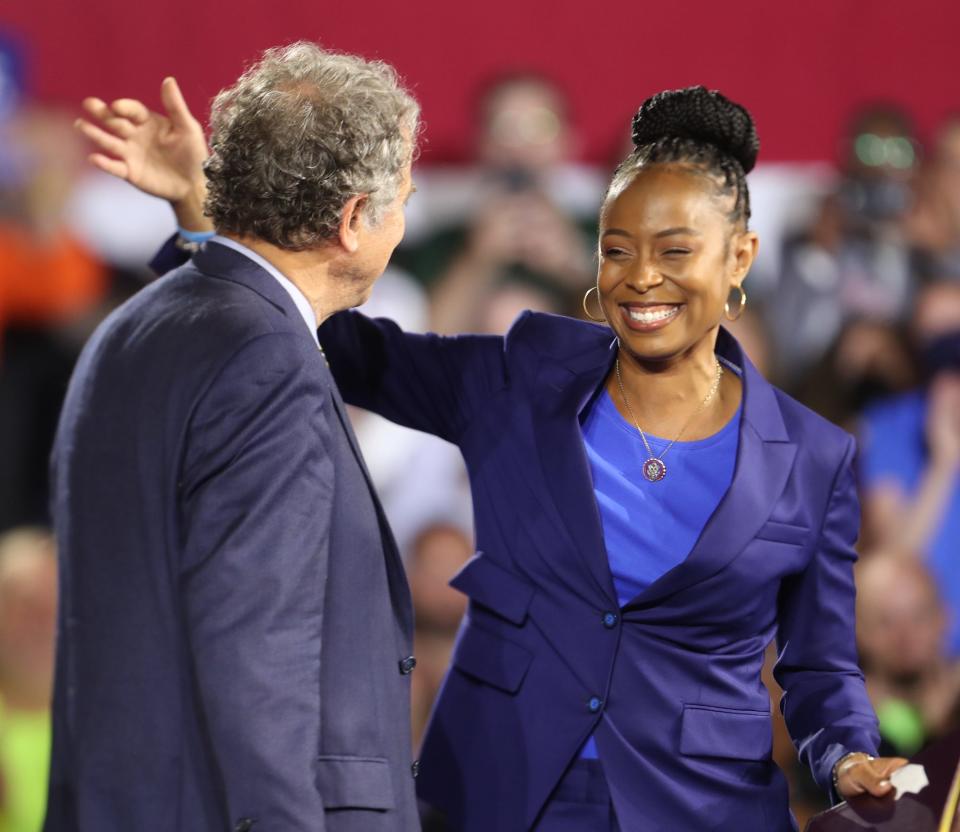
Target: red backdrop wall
column 799, row 67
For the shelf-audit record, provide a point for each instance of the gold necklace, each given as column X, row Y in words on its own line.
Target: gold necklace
column 654, row 468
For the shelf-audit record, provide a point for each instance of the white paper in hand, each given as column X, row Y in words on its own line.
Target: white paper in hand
column 911, row 779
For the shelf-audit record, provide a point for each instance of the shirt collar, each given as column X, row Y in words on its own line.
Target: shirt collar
column 298, row 298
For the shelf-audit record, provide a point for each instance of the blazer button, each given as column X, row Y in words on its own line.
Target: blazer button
column 415, row 768
column 407, row 665
column 610, row 620
column 594, row 704
column 244, row 825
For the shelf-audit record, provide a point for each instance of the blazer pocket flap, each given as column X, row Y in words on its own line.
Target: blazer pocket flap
column 486, row 582
column 347, row 782
column 491, row 658
column 784, row 533
column 723, row 732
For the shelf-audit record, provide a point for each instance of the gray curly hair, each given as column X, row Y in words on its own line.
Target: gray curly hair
column 301, row 132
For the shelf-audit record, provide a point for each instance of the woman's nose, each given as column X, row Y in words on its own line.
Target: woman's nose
column 644, row 277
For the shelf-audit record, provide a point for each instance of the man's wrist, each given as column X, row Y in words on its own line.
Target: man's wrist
column 189, row 210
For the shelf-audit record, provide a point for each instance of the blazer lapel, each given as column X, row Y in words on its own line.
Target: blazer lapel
column 223, row 262
column 765, row 459
column 568, row 386
column 399, row 588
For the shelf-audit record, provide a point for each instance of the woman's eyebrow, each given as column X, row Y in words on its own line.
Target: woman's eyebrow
column 667, row 232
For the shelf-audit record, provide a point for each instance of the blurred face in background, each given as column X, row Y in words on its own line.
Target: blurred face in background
column 936, row 328
column 501, row 309
column 934, row 220
column 28, row 612
column 523, row 127
column 901, row 622
column 882, row 146
column 947, row 166
column 937, row 311
column 437, row 555
column 881, row 162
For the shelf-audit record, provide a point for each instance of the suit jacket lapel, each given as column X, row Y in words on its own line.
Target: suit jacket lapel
column 399, row 589
column 568, row 386
column 761, row 473
column 226, row 263
column 764, row 460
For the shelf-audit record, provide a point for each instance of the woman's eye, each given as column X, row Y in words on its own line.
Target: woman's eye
column 674, row 252
column 613, row 252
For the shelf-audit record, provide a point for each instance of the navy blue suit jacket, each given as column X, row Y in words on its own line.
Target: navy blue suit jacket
column 233, row 609
column 669, row 684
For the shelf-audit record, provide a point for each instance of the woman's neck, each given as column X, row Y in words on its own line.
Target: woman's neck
column 664, row 397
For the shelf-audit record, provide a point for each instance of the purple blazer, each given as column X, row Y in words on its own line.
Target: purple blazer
column 669, row 684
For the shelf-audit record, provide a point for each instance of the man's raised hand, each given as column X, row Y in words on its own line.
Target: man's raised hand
column 161, row 154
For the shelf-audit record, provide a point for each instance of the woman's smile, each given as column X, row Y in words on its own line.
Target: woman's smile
column 648, row 317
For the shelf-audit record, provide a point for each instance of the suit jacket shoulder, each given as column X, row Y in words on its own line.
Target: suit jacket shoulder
column 556, row 336
column 197, row 318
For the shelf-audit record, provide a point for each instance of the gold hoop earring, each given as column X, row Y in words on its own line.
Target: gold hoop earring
column 587, row 311
column 740, row 306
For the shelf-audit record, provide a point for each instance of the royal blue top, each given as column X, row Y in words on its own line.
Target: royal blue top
column 893, row 449
column 650, row 527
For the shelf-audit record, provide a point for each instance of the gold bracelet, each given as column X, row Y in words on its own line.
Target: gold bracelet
column 865, row 758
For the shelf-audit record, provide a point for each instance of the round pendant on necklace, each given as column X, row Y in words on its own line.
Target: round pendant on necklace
column 654, row 469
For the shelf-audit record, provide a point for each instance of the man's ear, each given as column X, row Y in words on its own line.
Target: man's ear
column 350, row 221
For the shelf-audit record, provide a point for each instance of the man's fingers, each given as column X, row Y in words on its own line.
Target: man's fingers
column 122, row 127
column 114, row 167
column 132, row 109
column 97, row 108
column 174, row 103
column 101, row 138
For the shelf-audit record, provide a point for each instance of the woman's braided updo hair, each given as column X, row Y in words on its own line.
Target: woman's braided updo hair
column 699, row 127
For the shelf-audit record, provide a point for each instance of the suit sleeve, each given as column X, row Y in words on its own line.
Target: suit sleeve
column 825, row 702
column 431, row 383
column 256, row 498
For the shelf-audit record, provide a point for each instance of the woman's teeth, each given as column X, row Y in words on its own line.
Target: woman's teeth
column 646, row 316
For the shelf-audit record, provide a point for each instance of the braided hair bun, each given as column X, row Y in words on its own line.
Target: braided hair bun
column 701, row 115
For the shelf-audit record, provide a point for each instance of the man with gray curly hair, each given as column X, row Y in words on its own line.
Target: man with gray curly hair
column 235, row 625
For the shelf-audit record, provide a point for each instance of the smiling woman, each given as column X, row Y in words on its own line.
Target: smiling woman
column 674, row 244
column 608, row 673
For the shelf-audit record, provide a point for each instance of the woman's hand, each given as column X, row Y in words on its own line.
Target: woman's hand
column 861, row 774
column 162, row 155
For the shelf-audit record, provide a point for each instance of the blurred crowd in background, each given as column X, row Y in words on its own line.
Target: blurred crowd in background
column 853, row 307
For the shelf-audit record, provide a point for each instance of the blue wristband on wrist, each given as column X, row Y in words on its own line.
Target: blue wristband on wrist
column 195, row 236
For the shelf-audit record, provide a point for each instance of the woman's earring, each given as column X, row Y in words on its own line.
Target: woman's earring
column 586, row 311
column 740, row 306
